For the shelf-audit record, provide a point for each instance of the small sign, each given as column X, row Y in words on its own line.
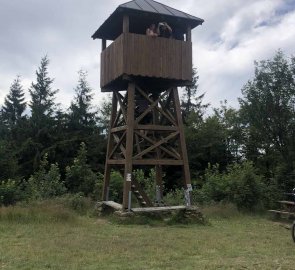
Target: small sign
column 128, row 178
column 189, row 187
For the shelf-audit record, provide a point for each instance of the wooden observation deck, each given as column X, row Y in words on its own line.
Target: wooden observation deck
column 143, row 74
column 159, row 59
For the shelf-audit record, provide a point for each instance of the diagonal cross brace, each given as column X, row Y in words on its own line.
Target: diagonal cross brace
column 156, row 107
column 174, row 154
column 119, row 142
column 157, row 144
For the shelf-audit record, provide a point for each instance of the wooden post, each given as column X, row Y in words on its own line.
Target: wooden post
column 125, row 24
column 189, row 34
column 159, row 171
column 110, row 145
column 183, row 150
column 103, row 44
column 129, row 144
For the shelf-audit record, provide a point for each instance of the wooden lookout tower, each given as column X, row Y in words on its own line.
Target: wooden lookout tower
column 143, row 74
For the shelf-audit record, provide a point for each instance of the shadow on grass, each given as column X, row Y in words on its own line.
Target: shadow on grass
column 158, row 220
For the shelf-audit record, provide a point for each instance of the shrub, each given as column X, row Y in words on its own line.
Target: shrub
column 116, row 186
column 240, row 184
column 45, row 183
column 79, row 176
column 147, row 180
column 271, row 194
column 217, row 185
column 9, row 192
column 174, row 197
column 246, row 186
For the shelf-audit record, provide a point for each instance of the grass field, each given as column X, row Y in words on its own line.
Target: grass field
column 51, row 236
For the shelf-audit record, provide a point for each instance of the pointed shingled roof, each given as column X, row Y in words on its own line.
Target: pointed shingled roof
column 111, row 28
column 156, row 7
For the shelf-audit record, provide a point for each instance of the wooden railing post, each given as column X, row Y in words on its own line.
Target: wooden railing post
column 103, row 44
column 189, row 34
column 125, row 24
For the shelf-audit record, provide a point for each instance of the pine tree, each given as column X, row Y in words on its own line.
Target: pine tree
column 81, row 116
column 3, row 128
column 42, row 96
column 79, row 176
column 191, row 103
column 105, row 114
column 14, row 104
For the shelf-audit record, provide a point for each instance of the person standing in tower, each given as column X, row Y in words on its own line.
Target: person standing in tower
column 164, row 30
column 152, row 31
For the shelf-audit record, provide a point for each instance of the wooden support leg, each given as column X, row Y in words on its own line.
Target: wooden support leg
column 183, row 150
column 129, row 145
column 159, row 183
column 159, row 171
column 106, row 183
column 110, row 145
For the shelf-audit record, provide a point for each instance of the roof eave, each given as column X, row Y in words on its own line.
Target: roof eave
column 97, row 35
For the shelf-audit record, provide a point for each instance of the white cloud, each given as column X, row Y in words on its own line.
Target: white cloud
column 225, row 54
column 235, row 33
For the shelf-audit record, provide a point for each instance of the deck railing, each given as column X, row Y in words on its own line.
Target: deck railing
column 140, row 55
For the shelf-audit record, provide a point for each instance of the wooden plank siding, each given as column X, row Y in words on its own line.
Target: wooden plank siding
column 140, row 55
column 112, row 62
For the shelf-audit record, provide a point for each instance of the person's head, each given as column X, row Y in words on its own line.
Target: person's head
column 163, row 25
column 152, row 26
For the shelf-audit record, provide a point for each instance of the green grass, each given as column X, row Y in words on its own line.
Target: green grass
column 51, row 236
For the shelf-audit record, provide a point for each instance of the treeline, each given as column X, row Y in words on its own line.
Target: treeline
column 38, row 133
column 243, row 155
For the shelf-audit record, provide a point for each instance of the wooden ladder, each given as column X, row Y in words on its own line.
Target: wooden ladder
column 140, row 194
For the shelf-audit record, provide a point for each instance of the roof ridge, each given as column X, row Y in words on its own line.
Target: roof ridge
column 137, row 4
column 174, row 9
column 126, row 3
column 147, row 1
column 166, row 7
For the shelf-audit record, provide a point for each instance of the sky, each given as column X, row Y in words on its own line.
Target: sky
column 235, row 34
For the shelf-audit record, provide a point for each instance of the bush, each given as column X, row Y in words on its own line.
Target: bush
column 147, row 180
column 246, row 186
column 45, row 183
column 217, row 185
column 271, row 194
column 9, row 192
column 79, row 176
column 174, row 197
column 240, row 185
column 116, row 186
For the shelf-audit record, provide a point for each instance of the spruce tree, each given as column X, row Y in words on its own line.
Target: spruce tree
column 14, row 104
column 3, row 128
column 42, row 96
column 191, row 103
column 41, row 128
column 81, row 116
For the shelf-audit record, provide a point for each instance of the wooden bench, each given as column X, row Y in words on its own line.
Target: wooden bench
column 280, row 212
column 286, row 210
column 157, row 209
column 287, row 202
